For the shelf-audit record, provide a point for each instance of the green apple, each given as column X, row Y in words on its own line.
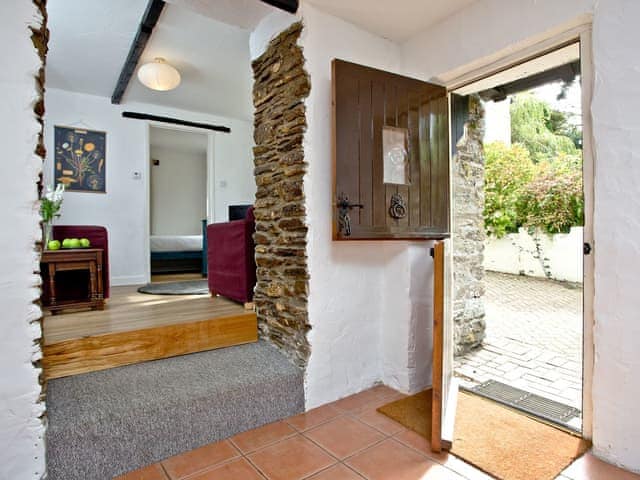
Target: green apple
column 53, row 245
column 74, row 243
column 84, row 242
column 65, row 243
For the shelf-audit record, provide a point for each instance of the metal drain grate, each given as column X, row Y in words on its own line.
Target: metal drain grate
column 531, row 403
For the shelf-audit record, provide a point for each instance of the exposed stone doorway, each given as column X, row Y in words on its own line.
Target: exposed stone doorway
column 517, row 296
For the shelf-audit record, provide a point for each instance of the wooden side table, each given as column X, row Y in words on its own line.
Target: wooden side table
column 75, row 259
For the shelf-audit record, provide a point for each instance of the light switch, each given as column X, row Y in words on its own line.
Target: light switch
column 222, row 184
column 137, row 175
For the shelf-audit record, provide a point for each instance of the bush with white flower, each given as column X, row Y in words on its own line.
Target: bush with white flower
column 50, row 205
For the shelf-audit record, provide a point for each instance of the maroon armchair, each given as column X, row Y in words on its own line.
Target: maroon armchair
column 99, row 239
column 231, row 258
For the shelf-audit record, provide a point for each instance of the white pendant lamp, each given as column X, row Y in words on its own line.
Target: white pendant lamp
column 159, row 75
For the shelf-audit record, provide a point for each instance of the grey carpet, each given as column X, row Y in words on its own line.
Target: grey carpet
column 188, row 287
column 103, row 424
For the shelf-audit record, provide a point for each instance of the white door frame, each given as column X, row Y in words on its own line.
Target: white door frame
column 580, row 31
column 211, row 177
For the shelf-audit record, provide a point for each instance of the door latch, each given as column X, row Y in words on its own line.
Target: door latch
column 344, row 222
column 586, row 248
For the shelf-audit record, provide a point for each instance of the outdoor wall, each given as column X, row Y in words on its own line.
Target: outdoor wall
column 21, row 429
column 616, row 129
column 467, row 238
column 178, row 191
column 123, row 208
column 558, row 257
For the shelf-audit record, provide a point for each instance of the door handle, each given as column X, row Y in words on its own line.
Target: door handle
column 586, row 248
column 344, row 206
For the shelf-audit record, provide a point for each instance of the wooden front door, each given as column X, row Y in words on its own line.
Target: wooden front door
column 391, row 155
column 444, row 386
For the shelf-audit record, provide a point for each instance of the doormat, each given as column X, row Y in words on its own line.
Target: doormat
column 549, row 410
column 189, row 287
column 494, row 438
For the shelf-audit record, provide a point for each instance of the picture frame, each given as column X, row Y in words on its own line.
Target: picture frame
column 80, row 159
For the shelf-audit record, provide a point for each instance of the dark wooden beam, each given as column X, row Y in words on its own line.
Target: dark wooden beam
column 566, row 73
column 149, row 20
column 175, row 121
column 290, row 6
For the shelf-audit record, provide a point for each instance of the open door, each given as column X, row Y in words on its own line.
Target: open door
column 444, row 386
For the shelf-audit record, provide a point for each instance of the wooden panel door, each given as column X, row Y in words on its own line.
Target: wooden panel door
column 444, row 386
column 372, row 109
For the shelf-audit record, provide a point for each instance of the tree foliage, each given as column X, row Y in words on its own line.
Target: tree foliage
column 545, row 132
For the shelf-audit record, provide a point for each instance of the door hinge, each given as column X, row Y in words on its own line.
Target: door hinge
column 432, row 252
column 586, row 248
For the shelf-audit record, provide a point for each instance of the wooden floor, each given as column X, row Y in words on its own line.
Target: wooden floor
column 136, row 327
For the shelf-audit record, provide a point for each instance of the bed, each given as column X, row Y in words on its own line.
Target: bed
column 179, row 253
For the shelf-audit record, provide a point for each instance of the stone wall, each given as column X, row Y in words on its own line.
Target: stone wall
column 468, row 233
column 280, row 86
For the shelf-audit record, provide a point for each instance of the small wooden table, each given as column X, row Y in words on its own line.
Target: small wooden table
column 75, row 259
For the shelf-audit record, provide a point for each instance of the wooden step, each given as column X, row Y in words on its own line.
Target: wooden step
column 82, row 355
column 136, row 327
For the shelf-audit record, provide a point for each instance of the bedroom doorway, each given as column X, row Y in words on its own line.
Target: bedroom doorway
column 180, row 204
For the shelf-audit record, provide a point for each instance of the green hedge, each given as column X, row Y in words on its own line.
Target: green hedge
column 522, row 193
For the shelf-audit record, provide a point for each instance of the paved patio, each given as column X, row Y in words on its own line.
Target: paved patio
column 533, row 338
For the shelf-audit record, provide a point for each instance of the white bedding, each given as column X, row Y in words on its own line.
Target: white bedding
column 176, row 243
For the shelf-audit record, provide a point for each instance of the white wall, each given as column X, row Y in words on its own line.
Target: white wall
column 616, row 128
column 558, row 256
column 234, row 182
column 359, row 307
column 486, row 30
column 178, row 191
column 21, row 444
column 123, row 208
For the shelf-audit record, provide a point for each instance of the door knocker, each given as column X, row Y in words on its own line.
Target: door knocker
column 398, row 208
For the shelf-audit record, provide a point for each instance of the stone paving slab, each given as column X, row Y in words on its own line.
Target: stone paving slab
column 533, row 338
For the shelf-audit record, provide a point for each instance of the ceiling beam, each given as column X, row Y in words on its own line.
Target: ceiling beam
column 176, row 121
column 149, row 20
column 290, row 6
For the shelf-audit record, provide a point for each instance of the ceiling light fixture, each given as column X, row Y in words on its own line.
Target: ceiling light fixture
column 159, row 75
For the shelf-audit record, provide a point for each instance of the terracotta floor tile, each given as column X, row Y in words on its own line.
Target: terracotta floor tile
column 355, row 402
column 380, row 422
column 390, row 460
column 344, row 436
column 383, row 390
column 314, row 417
column 421, row 444
column 238, row 469
column 380, row 400
column 589, row 467
column 152, row 472
column 252, row 440
column 337, row 472
column 291, row 459
column 191, row 462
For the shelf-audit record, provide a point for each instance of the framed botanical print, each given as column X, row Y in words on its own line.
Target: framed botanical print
column 80, row 159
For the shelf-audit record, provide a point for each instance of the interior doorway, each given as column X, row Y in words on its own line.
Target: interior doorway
column 519, row 189
column 180, row 201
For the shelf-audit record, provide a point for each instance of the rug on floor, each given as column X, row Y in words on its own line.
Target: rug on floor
column 187, row 287
column 495, row 439
column 103, row 424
